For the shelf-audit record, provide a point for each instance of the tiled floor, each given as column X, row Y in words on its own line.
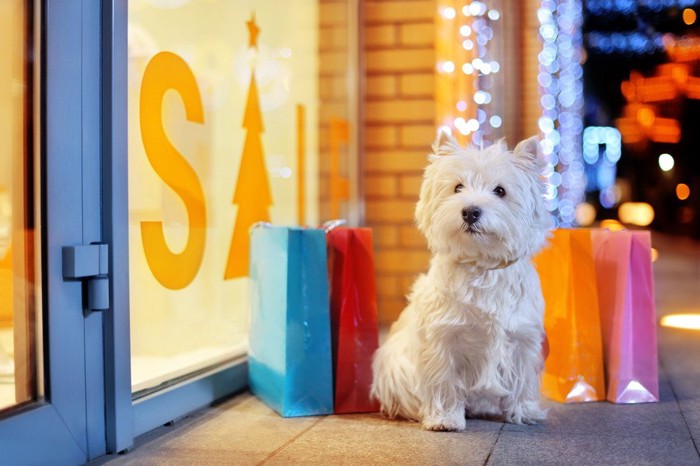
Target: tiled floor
column 243, row 431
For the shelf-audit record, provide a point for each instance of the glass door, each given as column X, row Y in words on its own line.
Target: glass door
column 51, row 360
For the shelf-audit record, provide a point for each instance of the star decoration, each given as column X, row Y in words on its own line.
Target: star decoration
column 253, row 30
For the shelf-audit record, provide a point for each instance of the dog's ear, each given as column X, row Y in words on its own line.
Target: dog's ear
column 444, row 145
column 527, row 148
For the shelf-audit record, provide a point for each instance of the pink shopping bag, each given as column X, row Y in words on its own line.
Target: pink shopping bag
column 627, row 314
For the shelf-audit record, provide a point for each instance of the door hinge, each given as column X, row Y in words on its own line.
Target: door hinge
column 89, row 262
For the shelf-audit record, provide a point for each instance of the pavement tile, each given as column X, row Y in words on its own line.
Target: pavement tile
column 676, row 274
column 242, row 428
column 521, row 448
column 373, row 440
column 603, row 418
column 680, row 357
column 184, row 458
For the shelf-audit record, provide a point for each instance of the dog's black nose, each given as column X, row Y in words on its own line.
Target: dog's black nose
column 471, row 215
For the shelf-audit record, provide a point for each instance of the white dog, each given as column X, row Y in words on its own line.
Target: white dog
column 469, row 341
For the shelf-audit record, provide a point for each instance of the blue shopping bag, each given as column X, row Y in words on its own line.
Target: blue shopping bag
column 289, row 365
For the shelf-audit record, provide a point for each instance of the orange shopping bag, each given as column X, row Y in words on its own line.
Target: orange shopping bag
column 573, row 371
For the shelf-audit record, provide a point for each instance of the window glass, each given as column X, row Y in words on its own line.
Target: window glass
column 17, row 308
column 231, row 111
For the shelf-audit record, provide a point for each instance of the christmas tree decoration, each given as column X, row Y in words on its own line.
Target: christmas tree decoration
column 252, row 196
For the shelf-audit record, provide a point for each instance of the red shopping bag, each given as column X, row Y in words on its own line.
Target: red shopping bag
column 354, row 330
column 628, row 314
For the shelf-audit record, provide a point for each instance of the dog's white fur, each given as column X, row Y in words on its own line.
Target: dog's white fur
column 469, row 341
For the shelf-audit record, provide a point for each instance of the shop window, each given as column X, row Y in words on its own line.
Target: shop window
column 239, row 112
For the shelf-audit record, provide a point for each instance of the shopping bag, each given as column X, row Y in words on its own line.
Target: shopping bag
column 573, row 371
column 353, row 317
column 289, row 365
column 628, row 315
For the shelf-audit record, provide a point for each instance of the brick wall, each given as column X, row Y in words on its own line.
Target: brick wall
column 399, row 128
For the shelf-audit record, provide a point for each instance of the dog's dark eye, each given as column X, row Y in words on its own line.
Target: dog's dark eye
column 499, row 191
column 459, row 188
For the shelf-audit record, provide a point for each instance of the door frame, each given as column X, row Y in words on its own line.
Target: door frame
column 67, row 426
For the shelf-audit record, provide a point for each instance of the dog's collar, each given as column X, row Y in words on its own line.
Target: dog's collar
column 504, row 264
column 501, row 265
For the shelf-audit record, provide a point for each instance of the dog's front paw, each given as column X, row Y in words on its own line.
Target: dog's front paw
column 527, row 413
column 449, row 423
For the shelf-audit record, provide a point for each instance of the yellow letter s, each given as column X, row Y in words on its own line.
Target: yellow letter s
column 168, row 71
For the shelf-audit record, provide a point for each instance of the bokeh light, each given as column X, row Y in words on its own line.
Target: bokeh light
column 646, row 116
column 448, row 12
column 685, row 321
column 636, row 213
column 612, row 225
column 585, row 214
column 682, row 191
column 447, row 66
column 689, row 16
column 666, row 162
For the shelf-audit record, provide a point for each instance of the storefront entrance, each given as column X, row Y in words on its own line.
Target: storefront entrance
column 141, row 141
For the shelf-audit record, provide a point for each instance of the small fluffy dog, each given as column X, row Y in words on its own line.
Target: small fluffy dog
column 469, row 341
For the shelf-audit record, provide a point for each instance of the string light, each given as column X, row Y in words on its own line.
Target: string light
column 626, row 7
column 658, row 5
column 466, row 99
column 448, row 12
column 561, row 96
column 625, row 42
column 607, row 7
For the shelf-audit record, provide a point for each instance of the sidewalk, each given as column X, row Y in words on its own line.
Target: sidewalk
column 243, row 431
